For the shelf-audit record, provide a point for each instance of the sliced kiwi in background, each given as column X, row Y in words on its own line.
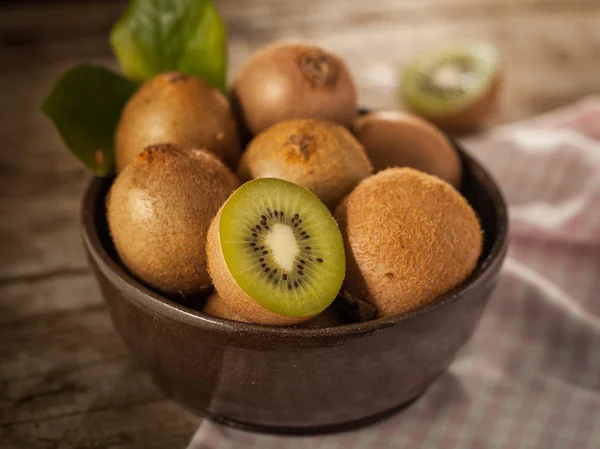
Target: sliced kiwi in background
column 455, row 87
column 275, row 253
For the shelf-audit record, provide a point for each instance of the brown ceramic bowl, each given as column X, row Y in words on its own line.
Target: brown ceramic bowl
column 295, row 380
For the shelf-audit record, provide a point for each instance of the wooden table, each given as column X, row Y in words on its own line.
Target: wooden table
column 66, row 380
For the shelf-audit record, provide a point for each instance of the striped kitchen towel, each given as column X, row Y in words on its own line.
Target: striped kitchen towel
column 530, row 376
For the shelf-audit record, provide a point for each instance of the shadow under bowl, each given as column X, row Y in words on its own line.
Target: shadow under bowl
column 296, row 380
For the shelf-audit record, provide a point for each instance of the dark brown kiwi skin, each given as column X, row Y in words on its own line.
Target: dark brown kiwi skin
column 179, row 109
column 277, row 68
column 401, row 139
column 159, row 209
column 475, row 115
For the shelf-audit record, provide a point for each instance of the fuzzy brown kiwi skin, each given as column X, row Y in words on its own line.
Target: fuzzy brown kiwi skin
column 472, row 116
column 401, row 139
column 179, row 109
column 158, row 211
column 321, row 156
column 309, row 83
column 406, row 249
column 230, row 292
column 215, row 306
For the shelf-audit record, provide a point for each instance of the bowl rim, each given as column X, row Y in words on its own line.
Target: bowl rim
column 146, row 298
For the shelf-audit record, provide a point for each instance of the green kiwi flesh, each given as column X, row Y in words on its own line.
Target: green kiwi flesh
column 453, row 86
column 283, row 252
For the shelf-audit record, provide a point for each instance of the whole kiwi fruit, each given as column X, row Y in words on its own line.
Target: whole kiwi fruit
column 321, row 156
column 401, row 139
column 159, row 209
column 290, row 80
column 410, row 237
column 179, row 109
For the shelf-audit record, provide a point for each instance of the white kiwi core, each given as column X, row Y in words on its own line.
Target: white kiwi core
column 283, row 245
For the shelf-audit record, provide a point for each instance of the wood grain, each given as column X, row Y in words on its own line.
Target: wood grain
column 66, row 380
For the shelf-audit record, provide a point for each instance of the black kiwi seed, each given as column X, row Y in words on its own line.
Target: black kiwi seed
column 301, row 273
column 319, row 260
column 302, row 261
column 267, row 270
column 252, row 244
column 307, row 248
column 303, row 233
column 261, row 259
column 263, row 265
column 296, row 216
column 296, row 284
column 284, row 277
column 254, row 234
column 265, row 252
column 263, row 217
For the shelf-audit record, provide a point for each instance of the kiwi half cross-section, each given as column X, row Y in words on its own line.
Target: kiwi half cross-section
column 456, row 86
column 275, row 253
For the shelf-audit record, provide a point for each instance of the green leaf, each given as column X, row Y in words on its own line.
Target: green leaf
column 155, row 36
column 85, row 106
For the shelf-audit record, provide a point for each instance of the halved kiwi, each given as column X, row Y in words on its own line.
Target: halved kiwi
column 275, row 253
column 455, row 87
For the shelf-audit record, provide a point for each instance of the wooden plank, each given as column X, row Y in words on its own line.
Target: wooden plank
column 57, row 341
column 156, row 425
column 66, row 392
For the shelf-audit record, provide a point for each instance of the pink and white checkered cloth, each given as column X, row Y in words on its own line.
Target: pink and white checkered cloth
column 530, row 376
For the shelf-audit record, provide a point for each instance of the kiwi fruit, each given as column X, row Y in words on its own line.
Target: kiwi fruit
column 179, row 109
column 456, row 87
column 400, row 139
column 321, row 156
column 215, row 306
column 275, row 253
column 290, row 80
column 158, row 212
column 410, row 237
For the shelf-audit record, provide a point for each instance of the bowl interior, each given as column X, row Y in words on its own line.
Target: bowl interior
column 478, row 188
